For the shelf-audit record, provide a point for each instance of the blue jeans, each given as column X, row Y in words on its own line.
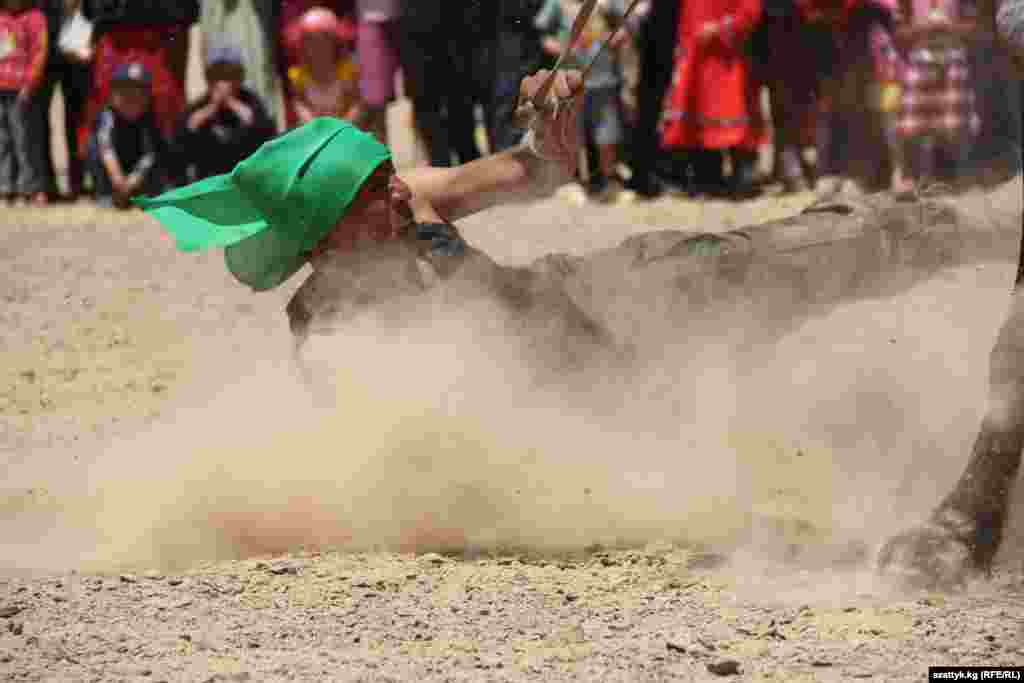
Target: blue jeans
column 21, row 161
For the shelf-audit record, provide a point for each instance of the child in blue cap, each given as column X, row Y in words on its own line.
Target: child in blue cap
column 127, row 155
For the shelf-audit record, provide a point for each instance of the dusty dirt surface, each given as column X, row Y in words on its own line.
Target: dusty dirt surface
column 176, row 507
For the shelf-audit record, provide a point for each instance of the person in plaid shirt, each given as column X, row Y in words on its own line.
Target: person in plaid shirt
column 23, row 49
column 937, row 118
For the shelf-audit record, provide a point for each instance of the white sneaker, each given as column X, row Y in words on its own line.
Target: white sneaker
column 828, row 186
column 852, row 188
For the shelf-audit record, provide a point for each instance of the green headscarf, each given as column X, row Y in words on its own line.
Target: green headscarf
column 276, row 205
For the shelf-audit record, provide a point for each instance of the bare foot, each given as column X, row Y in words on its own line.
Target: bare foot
column 903, row 187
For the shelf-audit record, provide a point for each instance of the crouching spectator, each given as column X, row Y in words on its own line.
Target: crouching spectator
column 227, row 124
column 127, row 155
column 326, row 83
column 23, row 50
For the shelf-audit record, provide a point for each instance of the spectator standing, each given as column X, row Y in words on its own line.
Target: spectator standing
column 226, row 124
column 437, row 58
column 478, row 23
column 656, row 31
column 326, row 82
column 377, row 44
column 67, row 65
column 516, row 52
column 787, row 50
column 851, row 138
column 937, row 117
column 713, row 105
column 250, row 24
column 601, row 121
column 996, row 151
column 127, row 154
column 149, row 32
column 23, row 52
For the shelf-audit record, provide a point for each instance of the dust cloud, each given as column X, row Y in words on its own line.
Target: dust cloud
column 432, row 435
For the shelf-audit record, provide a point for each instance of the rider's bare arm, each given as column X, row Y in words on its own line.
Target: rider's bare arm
column 511, row 176
column 522, row 173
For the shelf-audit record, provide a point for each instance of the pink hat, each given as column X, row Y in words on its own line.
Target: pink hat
column 316, row 20
column 323, row 20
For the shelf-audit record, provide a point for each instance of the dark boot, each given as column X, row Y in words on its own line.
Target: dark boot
column 744, row 183
column 708, row 173
column 645, row 186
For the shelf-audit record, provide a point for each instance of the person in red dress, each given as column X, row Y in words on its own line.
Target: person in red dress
column 712, row 103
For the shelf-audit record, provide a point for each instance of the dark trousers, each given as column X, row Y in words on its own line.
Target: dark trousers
column 439, row 64
column 593, row 154
column 75, row 81
column 20, row 147
column 997, row 93
column 518, row 54
column 657, row 58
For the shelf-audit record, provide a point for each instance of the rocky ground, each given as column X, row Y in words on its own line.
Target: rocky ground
column 653, row 614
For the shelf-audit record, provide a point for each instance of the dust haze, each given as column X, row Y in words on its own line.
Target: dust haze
column 433, row 435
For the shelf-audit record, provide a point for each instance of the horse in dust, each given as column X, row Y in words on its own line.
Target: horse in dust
column 561, row 310
column 573, row 313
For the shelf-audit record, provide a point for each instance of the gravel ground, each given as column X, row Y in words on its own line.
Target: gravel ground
column 652, row 614
column 112, row 344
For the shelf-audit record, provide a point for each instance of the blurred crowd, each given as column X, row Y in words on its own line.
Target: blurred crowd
column 683, row 96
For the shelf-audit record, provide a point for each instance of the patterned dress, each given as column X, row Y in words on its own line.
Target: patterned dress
column 938, row 99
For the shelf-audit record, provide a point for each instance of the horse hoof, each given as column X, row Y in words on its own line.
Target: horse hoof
column 928, row 557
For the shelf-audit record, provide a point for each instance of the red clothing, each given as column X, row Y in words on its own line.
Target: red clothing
column 23, row 49
column 150, row 46
column 713, row 101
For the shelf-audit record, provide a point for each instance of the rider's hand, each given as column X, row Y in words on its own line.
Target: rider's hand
column 620, row 38
column 555, row 128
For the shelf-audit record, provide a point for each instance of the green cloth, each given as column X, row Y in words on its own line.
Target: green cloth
column 276, row 205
